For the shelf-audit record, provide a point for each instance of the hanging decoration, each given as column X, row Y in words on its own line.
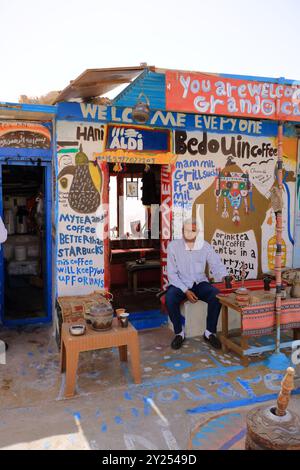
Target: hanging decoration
column 235, row 189
column 119, row 167
column 132, row 188
column 272, row 253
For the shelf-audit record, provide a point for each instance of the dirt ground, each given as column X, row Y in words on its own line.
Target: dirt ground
column 179, row 390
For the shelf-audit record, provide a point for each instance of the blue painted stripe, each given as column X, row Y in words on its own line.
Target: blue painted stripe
column 151, row 84
column 26, row 152
column 279, row 80
column 289, row 212
column 227, row 445
column 198, row 375
column 48, row 240
column 35, row 108
column 236, row 403
column 262, row 349
column 28, row 321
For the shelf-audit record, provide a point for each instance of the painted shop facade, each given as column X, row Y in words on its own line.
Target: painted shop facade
column 210, row 144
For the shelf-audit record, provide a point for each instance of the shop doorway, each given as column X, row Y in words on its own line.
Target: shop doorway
column 134, row 198
column 26, row 255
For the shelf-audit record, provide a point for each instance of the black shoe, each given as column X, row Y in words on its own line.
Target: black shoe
column 6, row 346
column 213, row 341
column 177, row 342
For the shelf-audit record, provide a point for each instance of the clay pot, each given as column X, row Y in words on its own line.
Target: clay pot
column 242, row 297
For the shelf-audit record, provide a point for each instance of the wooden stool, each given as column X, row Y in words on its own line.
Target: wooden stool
column 117, row 336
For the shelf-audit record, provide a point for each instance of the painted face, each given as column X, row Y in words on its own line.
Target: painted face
column 235, row 201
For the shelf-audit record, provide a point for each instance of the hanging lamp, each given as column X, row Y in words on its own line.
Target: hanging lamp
column 141, row 111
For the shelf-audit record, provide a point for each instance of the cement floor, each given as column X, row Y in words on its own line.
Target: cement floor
column 179, row 390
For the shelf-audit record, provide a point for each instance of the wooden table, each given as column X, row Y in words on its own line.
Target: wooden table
column 117, row 336
column 259, row 300
column 134, row 268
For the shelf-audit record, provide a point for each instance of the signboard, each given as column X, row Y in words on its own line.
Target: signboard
column 96, row 113
column 166, row 221
column 81, row 210
column 213, row 94
column 24, row 135
column 139, row 139
column 136, row 144
column 230, row 177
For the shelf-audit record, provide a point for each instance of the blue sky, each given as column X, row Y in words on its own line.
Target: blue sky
column 44, row 45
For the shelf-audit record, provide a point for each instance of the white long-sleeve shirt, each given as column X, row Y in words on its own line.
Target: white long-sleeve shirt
column 3, row 231
column 186, row 266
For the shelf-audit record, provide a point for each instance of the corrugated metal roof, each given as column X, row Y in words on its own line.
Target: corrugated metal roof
column 97, row 82
column 150, row 83
column 31, row 112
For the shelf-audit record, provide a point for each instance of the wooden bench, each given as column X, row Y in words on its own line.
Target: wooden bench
column 134, row 268
column 195, row 318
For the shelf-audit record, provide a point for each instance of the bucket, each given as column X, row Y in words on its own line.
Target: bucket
column 20, row 253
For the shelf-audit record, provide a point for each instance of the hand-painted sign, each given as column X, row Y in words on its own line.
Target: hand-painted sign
column 24, row 135
column 230, row 177
column 166, row 220
column 89, row 112
column 213, row 94
column 137, row 139
column 81, row 215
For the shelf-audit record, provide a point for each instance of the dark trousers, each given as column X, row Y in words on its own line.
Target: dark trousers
column 204, row 291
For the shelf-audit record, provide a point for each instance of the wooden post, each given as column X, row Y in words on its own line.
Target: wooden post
column 278, row 214
column 287, row 385
column 275, row 428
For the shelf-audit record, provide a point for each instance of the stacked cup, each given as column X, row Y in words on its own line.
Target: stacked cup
column 122, row 316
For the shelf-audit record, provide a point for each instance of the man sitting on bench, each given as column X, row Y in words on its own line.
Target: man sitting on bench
column 186, row 264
